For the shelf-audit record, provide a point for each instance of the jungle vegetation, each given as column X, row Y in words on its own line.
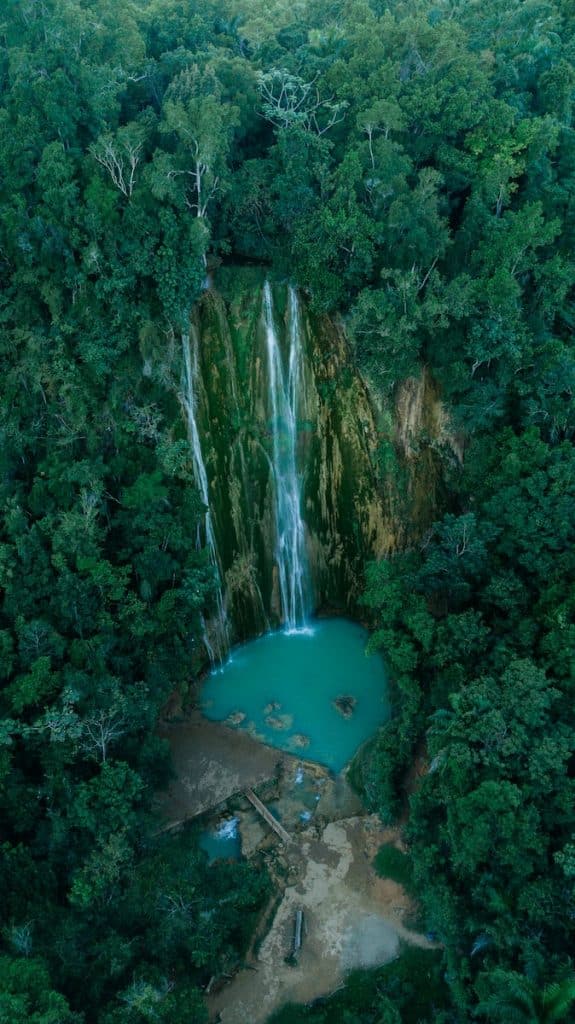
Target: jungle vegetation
column 410, row 164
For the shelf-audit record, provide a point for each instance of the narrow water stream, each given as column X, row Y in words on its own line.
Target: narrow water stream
column 217, row 646
column 314, row 693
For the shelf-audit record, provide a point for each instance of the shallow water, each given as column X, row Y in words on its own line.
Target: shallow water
column 281, row 688
column 222, row 842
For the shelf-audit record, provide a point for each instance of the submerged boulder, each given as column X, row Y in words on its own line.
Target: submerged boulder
column 236, row 718
column 279, row 722
column 298, row 741
column 345, row 705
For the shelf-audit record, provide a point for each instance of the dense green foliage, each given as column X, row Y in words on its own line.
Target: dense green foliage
column 392, row 863
column 412, row 165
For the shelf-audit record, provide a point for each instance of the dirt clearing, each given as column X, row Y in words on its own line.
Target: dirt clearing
column 352, row 919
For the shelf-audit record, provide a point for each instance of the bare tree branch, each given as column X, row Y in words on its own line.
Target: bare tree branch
column 120, row 158
column 288, row 100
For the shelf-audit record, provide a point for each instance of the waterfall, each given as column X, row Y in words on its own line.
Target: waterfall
column 283, row 398
column 221, row 641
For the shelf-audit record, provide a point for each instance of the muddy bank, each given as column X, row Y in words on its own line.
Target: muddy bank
column 213, row 762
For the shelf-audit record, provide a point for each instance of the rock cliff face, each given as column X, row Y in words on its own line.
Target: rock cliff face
column 353, row 508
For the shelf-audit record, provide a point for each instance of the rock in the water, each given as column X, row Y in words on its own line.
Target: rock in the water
column 299, row 741
column 279, row 722
column 345, row 705
column 236, row 718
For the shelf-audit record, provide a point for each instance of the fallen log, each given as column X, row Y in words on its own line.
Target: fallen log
column 298, row 932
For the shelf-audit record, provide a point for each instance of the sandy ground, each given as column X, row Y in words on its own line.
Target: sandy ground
column 213, row 762
column 352, row 919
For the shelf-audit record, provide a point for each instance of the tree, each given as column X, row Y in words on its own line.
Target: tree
column 288, row 102
column 26, row 996
column 201, row 124
column 509, row 996
column 120, row 156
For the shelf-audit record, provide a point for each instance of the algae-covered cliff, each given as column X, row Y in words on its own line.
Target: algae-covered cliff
column 320, row 446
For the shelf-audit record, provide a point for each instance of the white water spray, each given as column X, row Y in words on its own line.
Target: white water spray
column 283, row 397
column 217, row 649
column 228, row 829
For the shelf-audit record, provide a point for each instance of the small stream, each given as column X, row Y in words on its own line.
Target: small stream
column 313, row 693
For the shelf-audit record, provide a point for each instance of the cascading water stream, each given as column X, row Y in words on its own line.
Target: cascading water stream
column 217, row 649
column 290, row 531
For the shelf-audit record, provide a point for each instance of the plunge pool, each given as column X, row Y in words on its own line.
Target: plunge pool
column 313, row 692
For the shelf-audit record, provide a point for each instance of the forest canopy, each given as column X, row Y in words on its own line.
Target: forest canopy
column 410, row 167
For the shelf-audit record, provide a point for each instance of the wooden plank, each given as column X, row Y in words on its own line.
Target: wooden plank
column 268, row 816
